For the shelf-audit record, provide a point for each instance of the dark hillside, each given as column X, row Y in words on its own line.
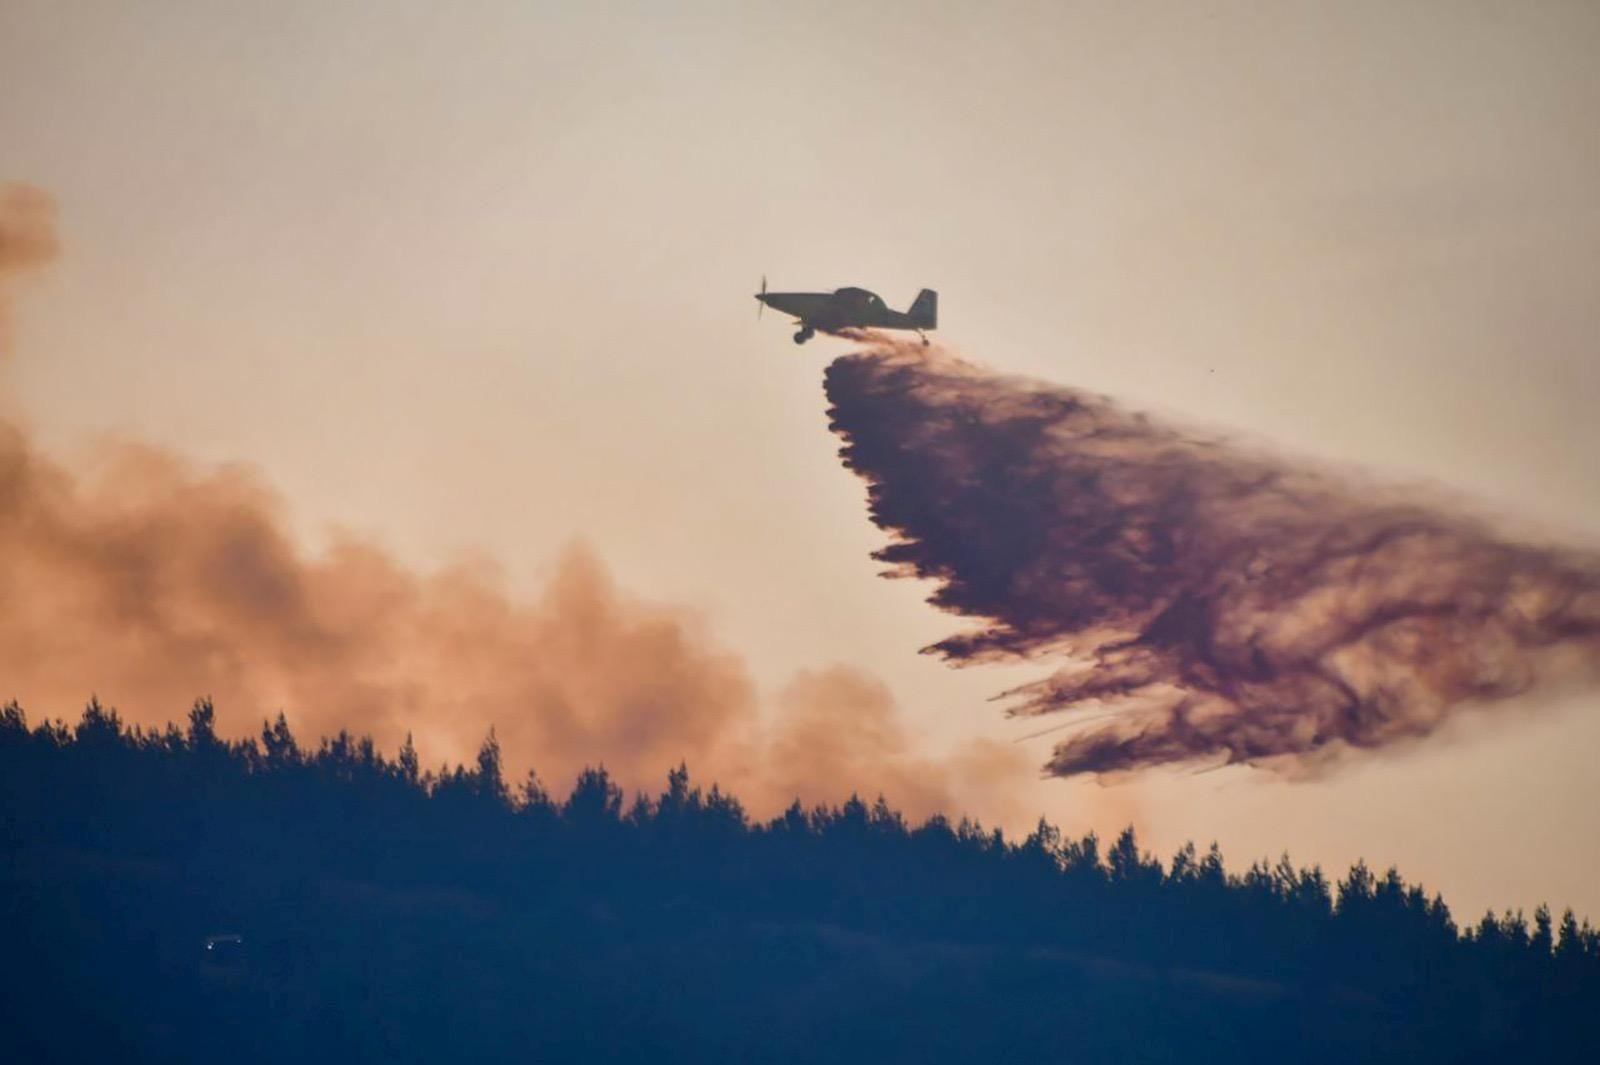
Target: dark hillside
column 387, row 914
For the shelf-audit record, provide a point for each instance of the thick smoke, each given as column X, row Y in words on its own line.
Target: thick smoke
column 1228, row 606
column 149, row 581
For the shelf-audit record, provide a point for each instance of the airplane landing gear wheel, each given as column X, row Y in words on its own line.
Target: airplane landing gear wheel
column 804, row 335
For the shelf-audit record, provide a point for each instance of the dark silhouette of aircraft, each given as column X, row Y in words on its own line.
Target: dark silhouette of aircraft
column 850, row 308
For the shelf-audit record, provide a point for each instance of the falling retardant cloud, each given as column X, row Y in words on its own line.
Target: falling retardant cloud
column 148, row 580
column 1213, row 604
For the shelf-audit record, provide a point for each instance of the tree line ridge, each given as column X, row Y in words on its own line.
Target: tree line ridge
column 337, row 865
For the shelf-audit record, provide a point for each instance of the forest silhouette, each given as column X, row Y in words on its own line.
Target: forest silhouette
column 172, row 895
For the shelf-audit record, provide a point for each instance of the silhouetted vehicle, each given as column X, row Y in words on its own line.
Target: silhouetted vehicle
column 851, row 308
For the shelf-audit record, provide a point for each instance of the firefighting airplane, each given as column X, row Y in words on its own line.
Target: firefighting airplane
column 850, row 308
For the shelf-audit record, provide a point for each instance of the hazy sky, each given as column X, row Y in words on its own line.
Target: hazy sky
column 476, row 278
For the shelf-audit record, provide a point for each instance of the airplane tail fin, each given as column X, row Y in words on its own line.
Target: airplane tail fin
column 924, row 312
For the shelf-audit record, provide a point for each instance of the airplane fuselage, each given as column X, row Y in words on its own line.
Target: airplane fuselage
column 851, row 308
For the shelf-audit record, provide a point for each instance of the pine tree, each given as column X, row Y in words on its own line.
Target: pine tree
column 279, row 744
column 1569, row 947
column 203, row 726
column 489, row 780
column 409, row 766
column 98, row 726
column 13, row 721
column 1541, row 941
column 594, row 800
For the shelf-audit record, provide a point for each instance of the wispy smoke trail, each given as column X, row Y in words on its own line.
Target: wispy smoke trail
column 1232, row 606
column 27, row 241
column 151, row 581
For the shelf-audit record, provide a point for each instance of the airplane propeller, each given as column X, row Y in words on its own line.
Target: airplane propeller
column 762, row 305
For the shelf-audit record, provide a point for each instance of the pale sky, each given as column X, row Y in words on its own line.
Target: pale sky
column 476, row 278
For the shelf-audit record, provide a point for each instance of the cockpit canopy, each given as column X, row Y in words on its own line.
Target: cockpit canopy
column 860, row 297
